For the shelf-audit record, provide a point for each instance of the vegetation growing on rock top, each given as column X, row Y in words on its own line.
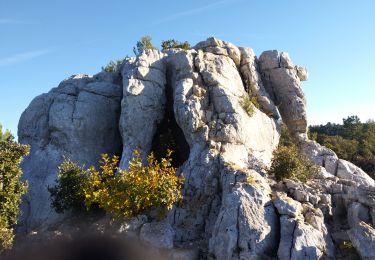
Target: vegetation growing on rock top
column 114, row 66
column 174, row 44
column 120, row 193
column 11, row 186
column 145, row 43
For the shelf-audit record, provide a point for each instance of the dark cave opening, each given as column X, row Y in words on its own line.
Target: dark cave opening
column 169, row 135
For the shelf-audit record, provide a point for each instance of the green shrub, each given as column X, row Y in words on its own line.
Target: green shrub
column 113, row 66
column 344, row 148
column 145, row 43
column 249, row 103
column 174, row 44
column 68, row 193
column 285, row 137
column 11, row 186
column 288, row 163
column 122, row 194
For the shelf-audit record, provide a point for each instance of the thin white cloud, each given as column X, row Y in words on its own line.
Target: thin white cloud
column 26, row 56
column 193, row 11
column 4, row 21
column 22, row 57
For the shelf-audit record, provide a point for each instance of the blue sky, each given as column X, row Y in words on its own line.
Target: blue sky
column 43, row 42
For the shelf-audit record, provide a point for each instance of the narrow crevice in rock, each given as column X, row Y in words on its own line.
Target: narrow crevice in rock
column 238, row 247
column 245, row 83
column 50, row 130
column 277, row 233
column 168, row 134
column 293, row 238
column 119, row 81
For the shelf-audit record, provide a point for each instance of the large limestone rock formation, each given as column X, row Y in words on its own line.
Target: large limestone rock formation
column 231, row 208
column 79, row 120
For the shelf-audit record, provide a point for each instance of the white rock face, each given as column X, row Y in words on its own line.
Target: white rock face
column 79, row 120
column 231, row 208
column 142, row 105
column 287, row 206
column 302, row 230
column 247, row 220
column 208, row 90
column 347, row 170
column 363, row 238
column 357, row 213
column 326, row 158
column 253, row 82
column 282, row 82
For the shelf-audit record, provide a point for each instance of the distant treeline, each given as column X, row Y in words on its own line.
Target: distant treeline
column 352, row 140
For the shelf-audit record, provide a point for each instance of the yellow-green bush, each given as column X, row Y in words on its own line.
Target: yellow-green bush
column 288, row 163
column 249, row 103
column 6, row 235
column 122, row 193
column 11, row 186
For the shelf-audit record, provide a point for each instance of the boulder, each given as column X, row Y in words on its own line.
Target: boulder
column 363, row 239
column 157, row 235
column 282, row 82
column 286, row 205
column 357, row 213
column 77, row 120
column 347, row 170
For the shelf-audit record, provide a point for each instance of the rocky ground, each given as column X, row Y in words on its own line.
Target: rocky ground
column 231, row 208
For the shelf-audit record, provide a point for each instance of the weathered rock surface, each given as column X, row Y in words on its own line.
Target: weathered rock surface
column 231, row 209
column 287, row 206
column 79, row 120
column 142, row 105
column 158, row 235
column 282, row 82
column 363, row 238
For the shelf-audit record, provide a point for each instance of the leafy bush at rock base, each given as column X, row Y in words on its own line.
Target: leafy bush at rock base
column 124, row 194
column 120, row 193
column 68, row 192
column 11, row 186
